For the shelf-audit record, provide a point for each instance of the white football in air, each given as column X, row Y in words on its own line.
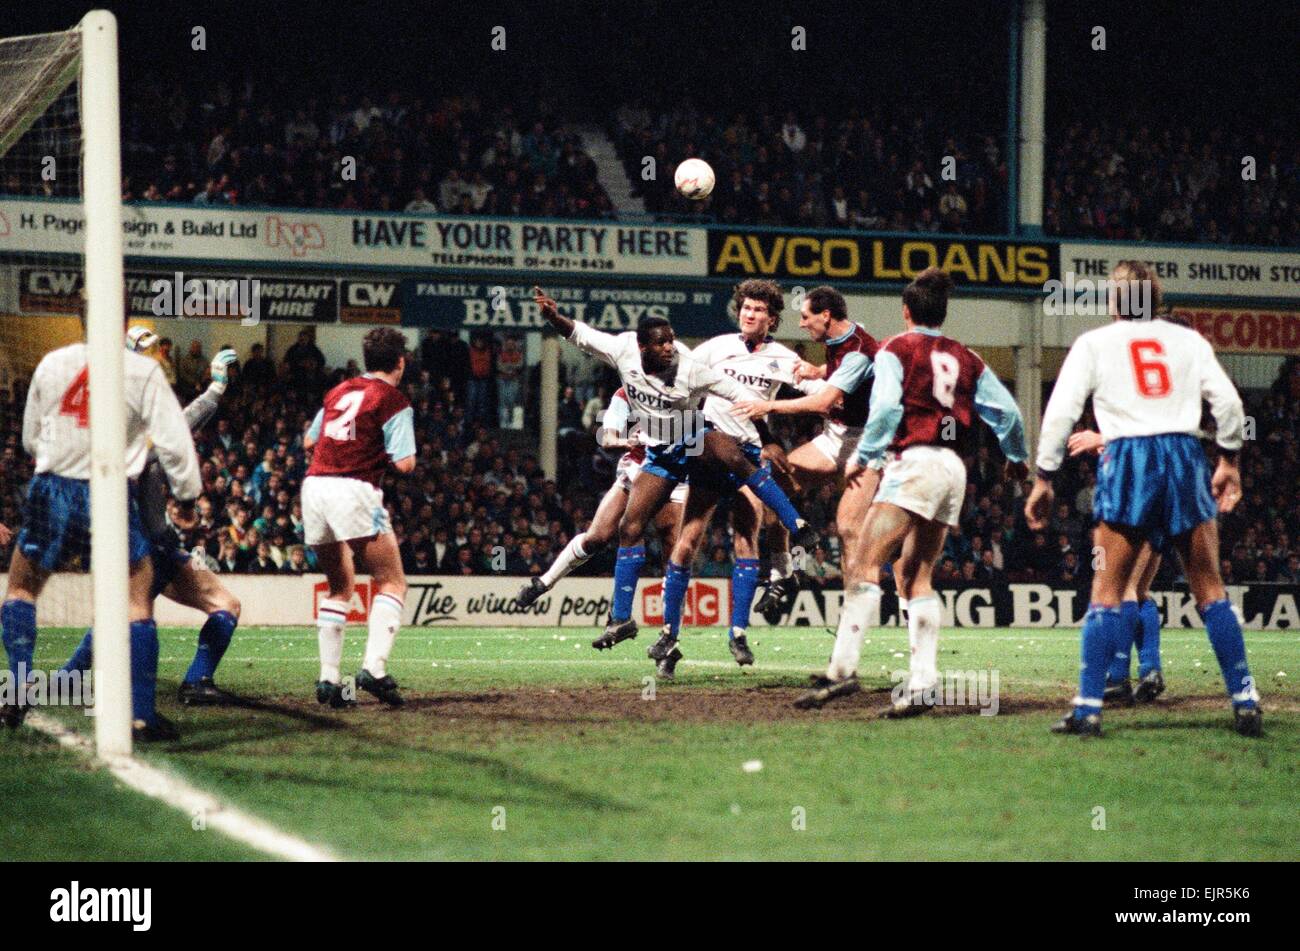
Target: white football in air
column 694, row 179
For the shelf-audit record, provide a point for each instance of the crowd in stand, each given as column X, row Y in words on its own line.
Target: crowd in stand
column 246, row 145
column 868, row 169
column 1109, row 179
column 477, row 505
column 882, row 166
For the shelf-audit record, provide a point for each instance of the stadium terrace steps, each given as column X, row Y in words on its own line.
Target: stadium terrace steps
column 610, row 171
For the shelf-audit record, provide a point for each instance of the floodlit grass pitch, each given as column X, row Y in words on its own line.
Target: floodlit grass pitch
column 534, row 731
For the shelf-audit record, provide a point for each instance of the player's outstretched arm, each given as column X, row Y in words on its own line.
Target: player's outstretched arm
column 551, row 313
column 819, row 403
column 399, row 439
column 165, row 422
column 204, row 406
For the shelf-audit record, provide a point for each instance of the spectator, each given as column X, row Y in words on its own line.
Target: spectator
column 192, row 370
column 510, row 371
column 166, row 361
column 482, row 376
column 258, row 370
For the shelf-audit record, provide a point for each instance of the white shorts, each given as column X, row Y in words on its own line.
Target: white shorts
column 627, row 472
column 338, row 509
column 838, row 443
column 926, row 480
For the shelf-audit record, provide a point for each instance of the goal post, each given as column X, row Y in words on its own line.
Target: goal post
column 105, row 342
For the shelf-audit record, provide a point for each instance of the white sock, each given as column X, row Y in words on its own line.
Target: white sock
column 861, row 610
column 331, row 618
column 923, row 635
column 782, row 565
column 385, row 619
column 571, row 557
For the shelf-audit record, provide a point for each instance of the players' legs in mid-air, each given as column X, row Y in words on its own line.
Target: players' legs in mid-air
column 1140, row 619
column 701, row 502
column 1199, row 550
column 809, row 468
column 650, row 493
column 727, row 452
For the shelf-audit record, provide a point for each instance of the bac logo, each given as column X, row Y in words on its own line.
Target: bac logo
column 359, row 610
column 703, row 605
column 370, row 295
column 299, row 236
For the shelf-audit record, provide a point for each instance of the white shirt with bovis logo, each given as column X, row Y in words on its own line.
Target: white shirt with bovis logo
column 664, row 410
column 760, row 371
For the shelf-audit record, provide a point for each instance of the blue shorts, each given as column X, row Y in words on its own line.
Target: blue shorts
column 56, row 524
column 681, row 463
column 1159, row 484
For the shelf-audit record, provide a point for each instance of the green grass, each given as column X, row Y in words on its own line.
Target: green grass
column 534, row 726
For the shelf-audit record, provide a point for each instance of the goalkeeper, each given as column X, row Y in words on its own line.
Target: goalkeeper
column 175, row 573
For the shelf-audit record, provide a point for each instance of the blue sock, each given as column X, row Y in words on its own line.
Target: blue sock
column 627, row 570
column 18, row 630
column 144, row 670
column 1119, row 661
column 1229, row 647
column 676, row 580
column 744, row 582
column 83, row 656
column 1149, row 638
column 764, row 486
column 214, row 638
column 1101, row 631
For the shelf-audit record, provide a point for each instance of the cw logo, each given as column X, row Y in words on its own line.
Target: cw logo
column 299, row 236
column 358, row 610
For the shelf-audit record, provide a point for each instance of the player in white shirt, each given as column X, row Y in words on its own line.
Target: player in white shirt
column 56, row 513
column 1147, row 379
column 760, row 365
column 664, row 387
column 618, row 430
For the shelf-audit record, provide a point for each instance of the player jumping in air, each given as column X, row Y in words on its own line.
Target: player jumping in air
column 56, row 513
column 175, row 573
column 843, row 401
column 617, row 431
column 927, row 392
column 1147, row 378
column 760, row 365
column 365, row 423
column 664, row 386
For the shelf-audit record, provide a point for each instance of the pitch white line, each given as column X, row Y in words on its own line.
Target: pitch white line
column 177, row 793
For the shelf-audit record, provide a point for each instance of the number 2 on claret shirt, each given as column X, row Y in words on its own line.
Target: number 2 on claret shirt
column 344, row 427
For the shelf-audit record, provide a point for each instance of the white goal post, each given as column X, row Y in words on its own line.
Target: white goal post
column 105, row 339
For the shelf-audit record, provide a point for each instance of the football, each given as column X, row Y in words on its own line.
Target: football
column 694, row 179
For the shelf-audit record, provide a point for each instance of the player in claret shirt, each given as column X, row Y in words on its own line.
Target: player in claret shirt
column 366, row 423
column 1147, row 378
column 843, row 401
column 928, row 390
